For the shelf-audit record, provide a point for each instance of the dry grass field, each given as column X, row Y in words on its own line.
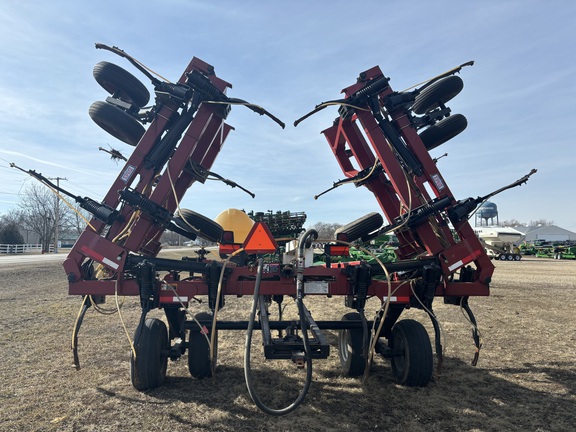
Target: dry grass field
column 525, row 379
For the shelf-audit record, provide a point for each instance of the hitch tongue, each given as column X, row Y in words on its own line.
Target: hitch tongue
column 299, row 358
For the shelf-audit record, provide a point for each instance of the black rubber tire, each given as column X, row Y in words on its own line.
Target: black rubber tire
column 121, row 84
column 361, row 226
column 116, row 122
column 148, row 370
column 350, row 348
column 438, row 93
column 443, row 131
column 413, row 368
column 199, row 363
column 502, row 257
column 204, row 226
column 517, row 257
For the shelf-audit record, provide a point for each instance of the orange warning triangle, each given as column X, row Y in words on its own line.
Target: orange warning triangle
column 260, row 240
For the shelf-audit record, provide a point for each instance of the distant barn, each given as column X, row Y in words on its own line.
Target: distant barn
column 548, row 233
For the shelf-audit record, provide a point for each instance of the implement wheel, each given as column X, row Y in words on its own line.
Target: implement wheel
column 413, row 362
column 350, row 348
column 437, row 94
column 116, row 122
column 205, row 227
column 361, row 227
column 199, row 363
column 121, row 84
column 148, row 369
column 443, row 131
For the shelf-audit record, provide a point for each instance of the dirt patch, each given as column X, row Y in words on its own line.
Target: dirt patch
column 525, row 379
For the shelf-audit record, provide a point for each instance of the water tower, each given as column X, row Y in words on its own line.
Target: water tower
column 487, row 211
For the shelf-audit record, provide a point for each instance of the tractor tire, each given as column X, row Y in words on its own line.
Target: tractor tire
column 148, row 369
column 437, row 94
column 189, row 220
column 121, row 84
column 350, row 344
column 199, row 363
column 413, row 363
column 443, row 131
column 117, row 122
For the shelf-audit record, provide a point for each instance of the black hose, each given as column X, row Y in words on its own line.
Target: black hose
column 365, row 336
column 247, row 371
column 475, row 334
column 85, row 305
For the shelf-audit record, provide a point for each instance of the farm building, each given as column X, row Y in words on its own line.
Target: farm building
column 549, row 233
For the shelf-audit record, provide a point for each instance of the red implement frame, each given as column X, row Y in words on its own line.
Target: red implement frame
column 396, row 191
column 136, row 231
column 359, row 138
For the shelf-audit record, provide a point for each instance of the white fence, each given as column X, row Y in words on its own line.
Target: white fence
column 21, row 248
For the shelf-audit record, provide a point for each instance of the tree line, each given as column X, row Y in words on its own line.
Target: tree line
column 515, row 223
column 40, row 213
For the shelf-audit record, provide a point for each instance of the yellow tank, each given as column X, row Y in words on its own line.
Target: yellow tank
column 236, row 221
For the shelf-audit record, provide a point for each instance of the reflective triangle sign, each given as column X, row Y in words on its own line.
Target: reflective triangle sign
column 260, row 240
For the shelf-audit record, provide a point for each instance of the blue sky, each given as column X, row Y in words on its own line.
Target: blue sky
column 287, row 57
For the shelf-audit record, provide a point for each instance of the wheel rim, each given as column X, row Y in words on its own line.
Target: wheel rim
column 344, row 345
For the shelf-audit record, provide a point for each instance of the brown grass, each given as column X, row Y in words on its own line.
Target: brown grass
column 525, row 380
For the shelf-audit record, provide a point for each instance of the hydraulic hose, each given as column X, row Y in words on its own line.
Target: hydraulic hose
column 83, row 308
column 247, row 372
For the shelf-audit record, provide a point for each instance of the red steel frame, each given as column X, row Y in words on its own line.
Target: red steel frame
column 200, row 144
column 395, row 192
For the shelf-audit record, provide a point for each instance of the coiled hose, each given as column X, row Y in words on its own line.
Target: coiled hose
column 247, row 371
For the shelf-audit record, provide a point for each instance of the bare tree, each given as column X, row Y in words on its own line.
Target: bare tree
column 511, row 223
column 76, row 221
column 37, row 212
column 542, row 222
column 326, row 230
column 172, row 238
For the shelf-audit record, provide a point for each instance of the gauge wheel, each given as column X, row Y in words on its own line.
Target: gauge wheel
column 121, row 84
column 199, row 363
column 443, row 131
column 148, row 369
column 350, row 348
column 437, row 94
column 116, row 122
column 412, row 361
column 191, row 221
column 361, row 227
